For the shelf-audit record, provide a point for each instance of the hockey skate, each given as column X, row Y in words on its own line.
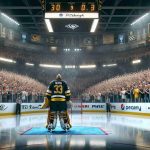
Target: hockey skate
column 50, row 127
column 64, row 121
column 53, row 122
column 67, row 127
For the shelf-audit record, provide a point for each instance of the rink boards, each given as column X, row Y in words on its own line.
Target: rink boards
column 133, row 108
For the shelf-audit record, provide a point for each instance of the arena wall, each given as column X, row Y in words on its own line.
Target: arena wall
column 124, row 108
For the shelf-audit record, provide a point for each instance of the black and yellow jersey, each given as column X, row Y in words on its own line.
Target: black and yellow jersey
column 58, row 91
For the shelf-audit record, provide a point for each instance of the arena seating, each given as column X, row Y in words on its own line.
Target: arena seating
column 133, row 87
column 14, row 86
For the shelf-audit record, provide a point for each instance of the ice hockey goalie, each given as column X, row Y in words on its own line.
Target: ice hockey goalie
column 56, row 98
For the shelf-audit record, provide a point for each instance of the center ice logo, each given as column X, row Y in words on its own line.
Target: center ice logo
column 122, row 106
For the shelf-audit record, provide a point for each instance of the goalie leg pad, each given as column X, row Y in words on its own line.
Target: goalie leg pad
column 52, row 120
column 64, row 120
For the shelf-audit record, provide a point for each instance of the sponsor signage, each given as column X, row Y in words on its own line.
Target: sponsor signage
column 3, row 107
column 131, row 107
column 89, row 106
column 98, row 106
column 71, row 15
column 124, row 107
column 113, row 107
column 30, row 107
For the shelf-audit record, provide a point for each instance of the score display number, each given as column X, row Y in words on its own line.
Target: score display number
column 71, row 7
column 55, row 7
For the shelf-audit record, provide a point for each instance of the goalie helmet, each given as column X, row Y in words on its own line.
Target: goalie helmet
column 58, row 77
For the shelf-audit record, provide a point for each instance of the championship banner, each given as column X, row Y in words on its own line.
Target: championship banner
column 0, row 30
column 35, row 38
column 24, row 37
column 56, row 41
column 3, row 33
column 108, row 39
column 88, row 41
column 139, row 35
column 121, row 39
column 10, row 34
column 143, row 34
column 131, row 36
column 148, row 28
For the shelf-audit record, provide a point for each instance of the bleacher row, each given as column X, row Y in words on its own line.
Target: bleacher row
column 133, row 87
column 14, row 86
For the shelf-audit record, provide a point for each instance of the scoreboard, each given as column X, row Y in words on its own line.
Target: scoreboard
column 71, row 16
column 72, row 7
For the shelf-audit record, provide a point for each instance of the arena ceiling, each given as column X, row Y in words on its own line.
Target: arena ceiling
column 115, row 15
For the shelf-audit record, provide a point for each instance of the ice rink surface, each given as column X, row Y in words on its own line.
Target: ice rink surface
column 124, row 133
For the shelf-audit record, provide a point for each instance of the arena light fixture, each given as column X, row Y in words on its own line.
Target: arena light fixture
column 70, row 67
column 77, row 49
column 139, row 19
column 109, row 65
column 94, row 25
column 49, row 66
column 49, row 25
column 67, row 49
column 7, row 60
column 29, row 64
column 136, row 61
column 87, row 66
column 12, row 20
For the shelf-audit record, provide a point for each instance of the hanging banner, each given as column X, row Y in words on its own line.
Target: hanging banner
column 143, row 34
column 131, row 36
column 10, row 34
column 121, row 39
column 35, row 38
column 0, row 30
column 24, row 37
column 108, row 39
column 3, row 33
column 139, row 35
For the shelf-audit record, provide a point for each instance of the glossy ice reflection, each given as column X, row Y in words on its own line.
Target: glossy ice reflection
column 125, row 132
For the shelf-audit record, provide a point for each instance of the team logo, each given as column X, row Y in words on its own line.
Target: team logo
column 72, row 26
column 3, row 107
column 122, row 106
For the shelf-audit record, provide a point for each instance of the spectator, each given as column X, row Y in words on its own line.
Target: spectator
column 136, row 93
column 18, row 106
column 19, row 88
column 123, row 94
column 134, row 86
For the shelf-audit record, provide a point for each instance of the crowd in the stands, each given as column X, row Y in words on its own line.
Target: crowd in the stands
column 14, row 86
column 134, row 87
